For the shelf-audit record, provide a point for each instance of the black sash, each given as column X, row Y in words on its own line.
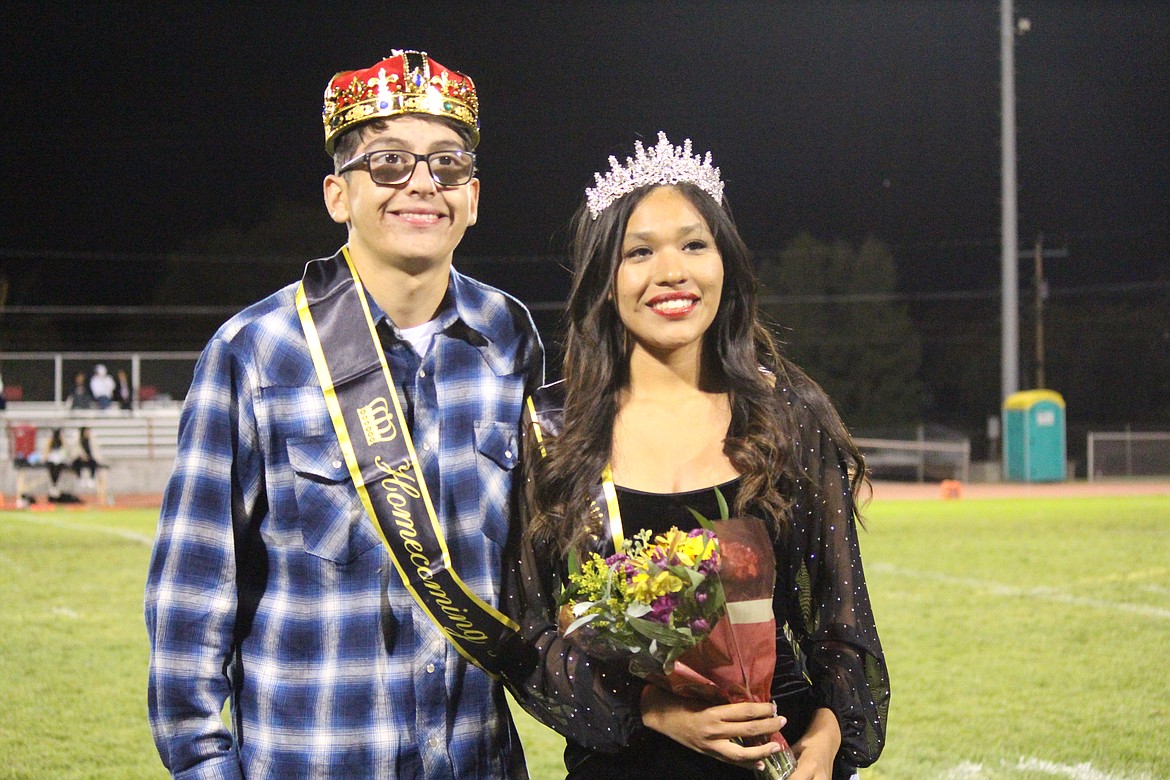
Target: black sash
column 361, row 397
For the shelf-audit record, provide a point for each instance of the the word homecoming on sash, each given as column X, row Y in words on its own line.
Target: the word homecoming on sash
column 400, row 488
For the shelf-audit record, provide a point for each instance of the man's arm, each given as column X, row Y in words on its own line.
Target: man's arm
column 191, row 585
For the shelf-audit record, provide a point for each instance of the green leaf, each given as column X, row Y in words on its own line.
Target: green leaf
column 574, row 562
column 663, row 634
column 674, row 654
column 566, row 595
column 715, row 601
column 703, row 522
column 687, row 575
column 580, row 622
column 723, row 513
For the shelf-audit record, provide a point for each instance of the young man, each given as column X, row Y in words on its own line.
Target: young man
column 329, row 547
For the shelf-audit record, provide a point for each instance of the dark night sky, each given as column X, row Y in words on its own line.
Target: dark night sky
column 135, row 126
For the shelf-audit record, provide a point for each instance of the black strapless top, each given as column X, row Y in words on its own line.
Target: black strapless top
column 661, row 511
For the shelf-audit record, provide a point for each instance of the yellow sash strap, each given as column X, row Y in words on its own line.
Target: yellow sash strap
column 605, row 503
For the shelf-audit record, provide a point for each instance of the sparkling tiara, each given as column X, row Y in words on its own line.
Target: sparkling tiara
column 663, row 164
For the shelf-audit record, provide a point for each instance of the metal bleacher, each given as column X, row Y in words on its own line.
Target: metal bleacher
column 122, row 435
column 136, row 447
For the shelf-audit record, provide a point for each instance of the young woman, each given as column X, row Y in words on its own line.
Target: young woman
column 57, row 458
column 87, row 457
column 672, row 387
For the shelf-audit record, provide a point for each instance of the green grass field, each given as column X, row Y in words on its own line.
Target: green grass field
column 1026, row 639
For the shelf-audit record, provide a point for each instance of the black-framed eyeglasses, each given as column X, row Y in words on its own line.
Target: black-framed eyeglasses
column 448, row 167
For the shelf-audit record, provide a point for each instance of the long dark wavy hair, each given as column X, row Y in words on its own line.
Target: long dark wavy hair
column 738, row 352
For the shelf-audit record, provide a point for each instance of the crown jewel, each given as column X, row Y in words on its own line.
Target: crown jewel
column 662, row 164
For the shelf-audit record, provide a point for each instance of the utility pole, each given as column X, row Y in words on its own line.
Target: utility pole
column 1038, row 254
column 1041, row 294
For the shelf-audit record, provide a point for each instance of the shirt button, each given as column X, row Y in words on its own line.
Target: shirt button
column 507, row 453
column 336, row 464
column 422, row 372
column 430, row 668
column 427, row 446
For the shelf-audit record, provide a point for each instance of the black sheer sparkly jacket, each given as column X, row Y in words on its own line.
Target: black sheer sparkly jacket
column 828, row 652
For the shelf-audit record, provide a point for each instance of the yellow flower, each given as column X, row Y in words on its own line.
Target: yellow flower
column 684, row 548
column 592, row 578
column 646, row 587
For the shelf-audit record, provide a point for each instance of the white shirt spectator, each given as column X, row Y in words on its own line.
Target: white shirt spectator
column 102, row 386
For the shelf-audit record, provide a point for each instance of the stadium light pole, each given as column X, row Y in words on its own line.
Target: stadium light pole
column 1009, row 257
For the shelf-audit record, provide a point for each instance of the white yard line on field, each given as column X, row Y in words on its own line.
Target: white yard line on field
column 1083, row 771
column 1010, row 591
column 969, row 770
column 38, row 519
column 1126, row 576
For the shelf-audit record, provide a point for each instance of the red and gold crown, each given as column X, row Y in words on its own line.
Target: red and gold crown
column 406, row 82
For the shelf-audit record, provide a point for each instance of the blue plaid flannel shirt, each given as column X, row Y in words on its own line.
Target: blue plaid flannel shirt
column 268, row 584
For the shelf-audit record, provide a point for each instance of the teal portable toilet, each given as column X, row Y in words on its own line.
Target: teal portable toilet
column 1034, row 436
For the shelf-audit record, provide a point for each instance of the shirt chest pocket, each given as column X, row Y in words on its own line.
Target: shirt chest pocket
column 497, row 446
column 334, row 525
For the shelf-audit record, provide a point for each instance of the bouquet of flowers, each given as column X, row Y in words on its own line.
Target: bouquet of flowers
column 689, row 611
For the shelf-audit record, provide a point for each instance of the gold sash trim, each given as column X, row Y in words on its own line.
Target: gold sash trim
column 360, row 395
column 613, row 515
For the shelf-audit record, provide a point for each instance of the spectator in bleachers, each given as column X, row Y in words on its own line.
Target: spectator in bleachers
column 80, row 398
column 87, row 457
column 59, row 455
column 102, row 386
column 124, row 392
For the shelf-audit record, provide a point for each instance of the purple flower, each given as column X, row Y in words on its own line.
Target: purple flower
column 615, row 558
column 662, row 608
column 701, row 597
column 700, row 626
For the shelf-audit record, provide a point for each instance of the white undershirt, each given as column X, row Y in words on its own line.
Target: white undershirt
column 419, row 337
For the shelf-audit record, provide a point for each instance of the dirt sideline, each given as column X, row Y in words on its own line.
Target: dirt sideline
column 982, row 490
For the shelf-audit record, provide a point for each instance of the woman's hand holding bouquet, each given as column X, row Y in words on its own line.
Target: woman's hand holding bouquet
column 735, row 733
column 691, row 612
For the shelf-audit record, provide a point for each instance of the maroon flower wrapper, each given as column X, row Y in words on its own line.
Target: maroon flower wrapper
column 736, row 661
